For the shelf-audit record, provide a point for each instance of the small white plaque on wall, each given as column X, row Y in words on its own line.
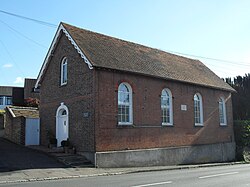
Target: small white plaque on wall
column 184, row 107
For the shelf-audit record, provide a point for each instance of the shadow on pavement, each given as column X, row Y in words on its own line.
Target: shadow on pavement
column 16, row 157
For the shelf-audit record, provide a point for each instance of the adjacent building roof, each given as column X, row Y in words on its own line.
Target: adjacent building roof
column 98, row 50
column 27, row 112
column 6, row 90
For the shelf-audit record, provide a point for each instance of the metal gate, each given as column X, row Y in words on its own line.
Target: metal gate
column 32, row 131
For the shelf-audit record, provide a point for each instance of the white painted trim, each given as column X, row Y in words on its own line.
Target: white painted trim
column 224, row 112
column 52, row 46
column 61, row 107
column 199, row 124
column 77, row 48
column 125, row 123
column 63, row 62
column 171, row 107
column 130, row 104
column 5, row 104
column 201, row 111
column 11, row 112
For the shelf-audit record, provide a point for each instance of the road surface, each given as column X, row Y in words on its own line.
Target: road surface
column 234, row 175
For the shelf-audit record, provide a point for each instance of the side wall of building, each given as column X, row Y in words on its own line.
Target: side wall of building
column 77, row 95
column 15, row 129
column 2, row 121
column 29, row 85
column 147, row 131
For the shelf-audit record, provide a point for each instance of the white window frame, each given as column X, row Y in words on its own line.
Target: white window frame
column 130, row 104
column 201, row 109
column 223, row 105
column 6, row 99
column 64, row 63
column 170, row 123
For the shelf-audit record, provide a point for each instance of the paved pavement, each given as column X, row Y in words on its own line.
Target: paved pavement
column 20, row 164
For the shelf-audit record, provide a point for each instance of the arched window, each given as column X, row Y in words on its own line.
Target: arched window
column 222, row 112
column 64, row 70
column 198, row 110
column 125, row 104
column 166, row 107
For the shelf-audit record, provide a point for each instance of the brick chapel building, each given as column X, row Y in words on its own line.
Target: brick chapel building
column 125, row 104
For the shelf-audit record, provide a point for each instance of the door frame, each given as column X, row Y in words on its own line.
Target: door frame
column 59, row 111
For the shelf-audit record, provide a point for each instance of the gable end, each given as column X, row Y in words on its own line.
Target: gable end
column 77, row 48
column 52, row 47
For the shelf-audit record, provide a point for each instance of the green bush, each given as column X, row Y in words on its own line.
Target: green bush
column 242, row 139
column 2, row 112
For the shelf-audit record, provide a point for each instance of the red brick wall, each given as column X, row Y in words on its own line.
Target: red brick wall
column 15, row 129
column 76, row 95
column 147, row 112
column 95, row 92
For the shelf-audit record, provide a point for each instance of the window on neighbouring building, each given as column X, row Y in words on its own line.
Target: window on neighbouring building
column 198, row 110
column 64, row 69
column 1, row 100
column 222, row 111
column 124, row 104
column 166, row 107
column 8, row 100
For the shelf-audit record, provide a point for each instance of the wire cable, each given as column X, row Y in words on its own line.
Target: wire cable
column 210, row 58
column 30, row 19
column 11, row 57
column 26, row 37
column 180, row 53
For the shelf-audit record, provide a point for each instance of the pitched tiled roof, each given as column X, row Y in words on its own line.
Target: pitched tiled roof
column 109, row 52
column 28, row 112
column 112, row 53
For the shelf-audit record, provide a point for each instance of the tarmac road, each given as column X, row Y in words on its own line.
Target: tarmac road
column 231, row 175
column 15, row 157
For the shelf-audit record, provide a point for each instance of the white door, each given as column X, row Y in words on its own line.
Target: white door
column 32, row 131
column 62, row 129
column 62, row 124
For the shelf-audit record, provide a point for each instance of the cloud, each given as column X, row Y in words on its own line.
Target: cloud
column 19, row 80
column 7, row 65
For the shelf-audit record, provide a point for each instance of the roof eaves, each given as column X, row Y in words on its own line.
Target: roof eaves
column 83, row 56
column 232, row 90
